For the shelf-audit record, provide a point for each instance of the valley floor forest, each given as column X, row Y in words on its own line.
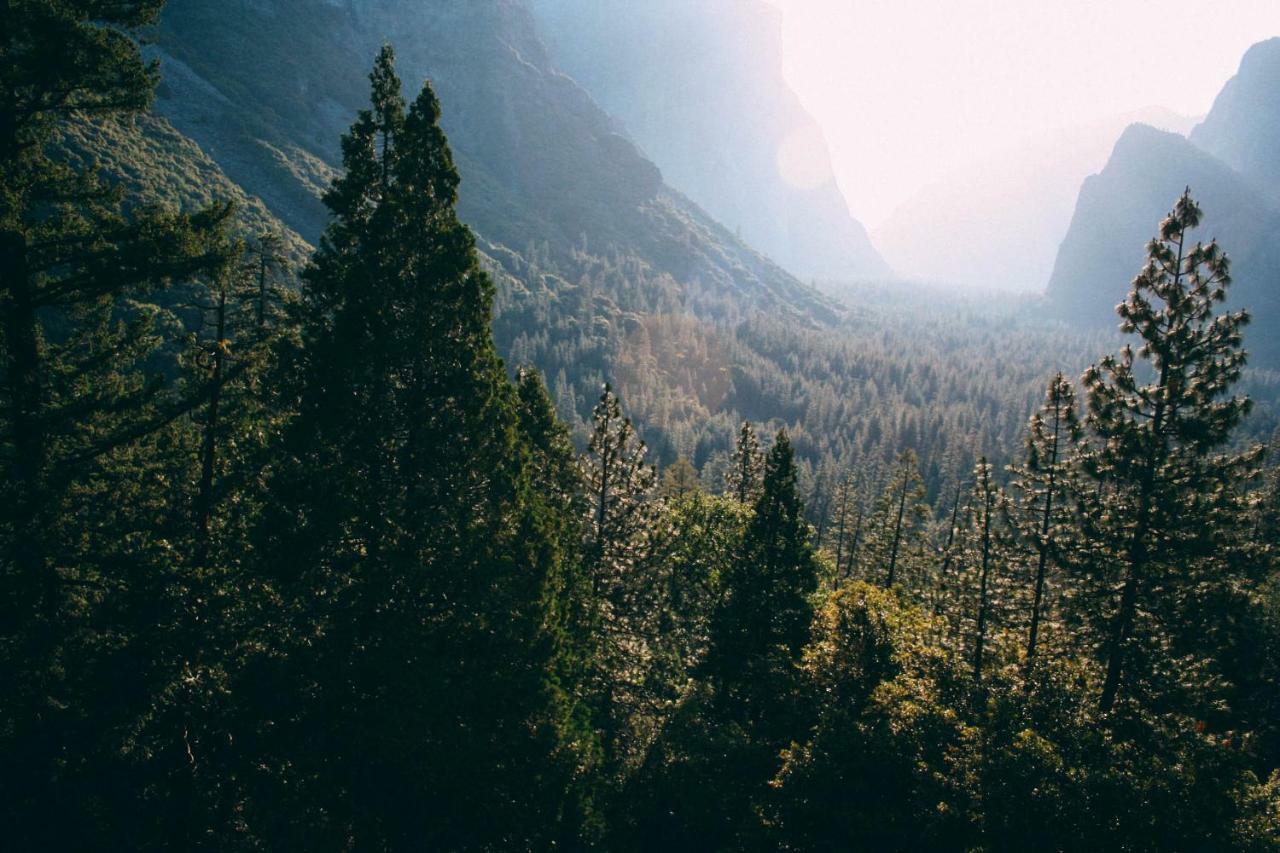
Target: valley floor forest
column 292, row 559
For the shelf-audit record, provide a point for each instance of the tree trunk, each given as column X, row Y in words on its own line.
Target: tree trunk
column 26, row 398
column 1042, row 546
column 897, row 535
column 210, row 452
column 980, row 642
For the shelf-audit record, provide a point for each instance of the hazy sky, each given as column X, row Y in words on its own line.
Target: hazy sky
column 910, row 90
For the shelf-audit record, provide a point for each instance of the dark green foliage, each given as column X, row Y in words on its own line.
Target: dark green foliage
column 710, row 770
column 96, row 622
column 759, row 630
column 1166, row 516
column 412, row 559
column 307, row 570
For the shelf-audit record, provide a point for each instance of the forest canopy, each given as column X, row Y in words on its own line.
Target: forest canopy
column 292, row 559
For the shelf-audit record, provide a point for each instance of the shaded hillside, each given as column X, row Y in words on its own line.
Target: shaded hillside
column 699, row 86
column 541, row 162
column 1243, row 128
column 156, row 164
column 1120, row 209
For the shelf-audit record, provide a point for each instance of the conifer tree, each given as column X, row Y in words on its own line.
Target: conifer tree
column 619, row 485
column 979, row 596
column 764, row 621
column 680, row 480
column 557, row 519
column 897, row 522
column 848, row 519
column 711, row 769
column 746, row 466
column 69, row 257
column 1042, row 483
column 621, row 511
column 87, row 566
column 238, row 326
column 404, row 525
column 948, row 544
column 1167, row 518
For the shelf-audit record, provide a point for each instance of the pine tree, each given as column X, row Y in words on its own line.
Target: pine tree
column 621, row 512
column 557, row 519
column 848, row 521
column 680, row 480
column 979, row 597
column 69, row 258
column 1042, row 484
column 238, row 328
column 945, row 568
column 1167, row 518
column 897, row 523
column 746, row 466
column 90, row 575
column 764, row 622
column 710, row 770
column 404, row 526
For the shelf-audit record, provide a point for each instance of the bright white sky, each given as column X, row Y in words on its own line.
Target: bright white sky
column 908, row 91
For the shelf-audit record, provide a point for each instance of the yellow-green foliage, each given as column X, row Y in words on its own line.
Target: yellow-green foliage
column 155, row 164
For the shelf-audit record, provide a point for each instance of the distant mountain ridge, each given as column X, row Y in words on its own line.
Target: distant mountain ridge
column 1243, row 128
column 1230, row 162
column 541, row 162
column 699, row 86
column 998, row 223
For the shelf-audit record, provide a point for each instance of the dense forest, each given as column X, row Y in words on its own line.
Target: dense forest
column 294, row 559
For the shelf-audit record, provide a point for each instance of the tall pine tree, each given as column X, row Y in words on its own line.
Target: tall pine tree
column 746, row 466
column 91, row 569
column 403, row 536
column 1042, row 483
column 1167, row 519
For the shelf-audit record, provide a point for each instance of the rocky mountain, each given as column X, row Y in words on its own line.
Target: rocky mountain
column 1120, row 209
column 699, row 86
column 266, row 87
column 1243, row 128
column 1231, row 162
column 998, row 224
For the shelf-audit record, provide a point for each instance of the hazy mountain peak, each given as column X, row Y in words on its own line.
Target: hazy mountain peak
column 1243, row 128
column 1016, row 206
column 1120, row 208
column 700, row 88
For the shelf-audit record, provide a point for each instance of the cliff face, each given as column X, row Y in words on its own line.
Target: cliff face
column 1231, row 162
column 1243, row 128
column 1120, row 209
column 267, row 87
column 699, row 86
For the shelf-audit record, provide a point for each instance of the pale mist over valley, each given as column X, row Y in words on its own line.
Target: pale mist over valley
column 710, row 425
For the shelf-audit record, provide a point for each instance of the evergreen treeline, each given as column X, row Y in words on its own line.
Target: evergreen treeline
column 308, row 570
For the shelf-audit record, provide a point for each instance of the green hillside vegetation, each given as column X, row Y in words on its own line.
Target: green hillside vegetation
column 158, row 165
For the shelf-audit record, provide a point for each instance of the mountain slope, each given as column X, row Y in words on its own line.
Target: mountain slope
column 267, row 87
column 1243, row 128
column 1120, row 208
column 699, row 86
column 155, row 164
column 998, row 224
